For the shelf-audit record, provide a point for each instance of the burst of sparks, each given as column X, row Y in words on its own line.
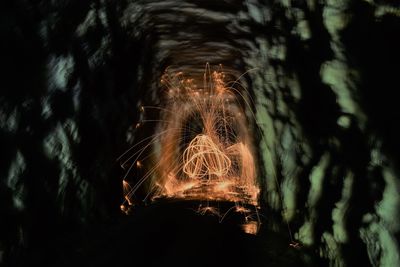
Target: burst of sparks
column 203, row 148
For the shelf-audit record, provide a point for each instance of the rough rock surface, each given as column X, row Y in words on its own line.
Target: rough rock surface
column 323, row 76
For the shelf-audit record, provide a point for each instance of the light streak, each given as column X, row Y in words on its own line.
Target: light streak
column 208, row 209
column 203, row 149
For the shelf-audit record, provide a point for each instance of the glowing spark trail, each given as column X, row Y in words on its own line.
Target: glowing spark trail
column 203, row 150
column 203, row 158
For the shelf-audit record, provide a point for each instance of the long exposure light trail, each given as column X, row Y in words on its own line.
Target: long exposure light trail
column 202, row 149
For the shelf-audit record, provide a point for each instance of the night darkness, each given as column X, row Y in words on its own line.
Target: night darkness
column 318, row 119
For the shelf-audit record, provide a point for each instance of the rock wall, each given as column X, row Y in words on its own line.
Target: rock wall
column 323, row 76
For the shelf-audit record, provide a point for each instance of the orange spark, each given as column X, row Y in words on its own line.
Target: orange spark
column 251, row 227
column 208, row 209
column 204, row 148
column 139, row 164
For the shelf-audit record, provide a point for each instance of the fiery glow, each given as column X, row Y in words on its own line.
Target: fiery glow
column 251, row 227
column 203, row 158
column 203, row 149
column 208, row 209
